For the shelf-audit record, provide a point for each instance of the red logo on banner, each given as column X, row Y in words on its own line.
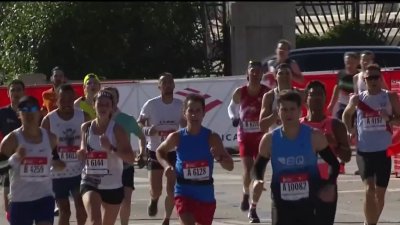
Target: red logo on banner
column 185, row 92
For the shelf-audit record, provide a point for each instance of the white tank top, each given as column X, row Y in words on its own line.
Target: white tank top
column 31, row 180
column 69, row 141
column 361, row 86
column 165, row 117
column 103, row 169
column 274, row 107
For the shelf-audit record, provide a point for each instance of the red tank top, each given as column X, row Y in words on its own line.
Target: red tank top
column 250, row 107
column 326, row 127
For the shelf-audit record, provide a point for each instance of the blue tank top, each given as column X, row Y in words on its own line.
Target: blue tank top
column 194, row 163
column 374, row 134
column 294, row 166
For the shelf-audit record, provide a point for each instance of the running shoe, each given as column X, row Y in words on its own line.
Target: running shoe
column 253, row 217
column 244, row 205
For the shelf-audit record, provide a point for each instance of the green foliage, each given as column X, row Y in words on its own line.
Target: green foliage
column 347, row 33
column 23, row 30
column 119, row 40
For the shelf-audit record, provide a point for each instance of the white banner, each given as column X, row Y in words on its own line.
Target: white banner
column 217, row 92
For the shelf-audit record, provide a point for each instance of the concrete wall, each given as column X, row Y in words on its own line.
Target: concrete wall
column 255, row 29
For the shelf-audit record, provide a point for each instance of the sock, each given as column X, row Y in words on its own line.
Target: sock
column 253, row 205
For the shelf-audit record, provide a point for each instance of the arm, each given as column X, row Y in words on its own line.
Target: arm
column 348, row 113
column 334, row 98
column 297, row 75
column 355, row 83
column 267, row 117
column 219, row 152
column 123, row 148
column 394, row 100
column 143, row 121
column 139, row 134
column 46, row 123
column 233, row 108
column 7, row 148
column 83, row 151
column 166, row 146
column 57, row 164
column 321, row 146
column 264, row 155
column 343, row 148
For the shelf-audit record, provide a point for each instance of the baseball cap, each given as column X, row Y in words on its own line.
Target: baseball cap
column 28, row 104
column 90, row 75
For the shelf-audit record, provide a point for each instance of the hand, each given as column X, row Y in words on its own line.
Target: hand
column 351, row 133
column 81, row 154
column 384, row 115
column 170, row 172
column 20, row 152
column 327, row 193
column 105, row 143
column 235, row 122
column 140, row 161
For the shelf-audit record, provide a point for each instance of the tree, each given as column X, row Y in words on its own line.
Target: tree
column 347, row 33
column 119, row 40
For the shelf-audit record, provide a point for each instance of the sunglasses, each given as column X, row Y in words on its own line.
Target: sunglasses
column 370, row 78
column 30, row 109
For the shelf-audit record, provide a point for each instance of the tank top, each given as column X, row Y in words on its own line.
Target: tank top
column 326, row 127
column 345, row 85
column 69, row 142
column 374, row 133
column 294, row 166
column 87, row 108
column 103, row 168
column 165, row 117
column 31, row 180
column 250, row 107
column 194, row 165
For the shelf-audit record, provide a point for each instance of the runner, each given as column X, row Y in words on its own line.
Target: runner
column 269, row 109
column 295, row 179
column 160, row 116
column 104, row 146
column 247, row 100
column 344, row 86
column 65, row 122
column 131, row 127
column 91, row 85
column 8, row 123
column 366, row 58
column 336, row 134
column 49, row 96
column 32, row 151
column 377, row 109
column 196, row 149
column 282, row 56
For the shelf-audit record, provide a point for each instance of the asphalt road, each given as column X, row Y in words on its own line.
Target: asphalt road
column 228, row 193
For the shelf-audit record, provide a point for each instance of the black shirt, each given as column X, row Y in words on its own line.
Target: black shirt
column 9, row 120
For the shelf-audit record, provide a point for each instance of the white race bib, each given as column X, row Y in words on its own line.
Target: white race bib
column 373, row 123
column 97, row 163
column 251, row 126
column 294, row 187
column 196, row 170
column 68, row 153
column 34, row 169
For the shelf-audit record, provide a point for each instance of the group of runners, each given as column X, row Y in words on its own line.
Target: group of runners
column 81, row 147
column 306, row 152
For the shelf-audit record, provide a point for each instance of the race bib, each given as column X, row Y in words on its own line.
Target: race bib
column 97, row 163
column 294, row 187
column 373, row 123
column 164, row 134
column 251, row 126
column 34, row 169
column 196, row 170
column 68, row 153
